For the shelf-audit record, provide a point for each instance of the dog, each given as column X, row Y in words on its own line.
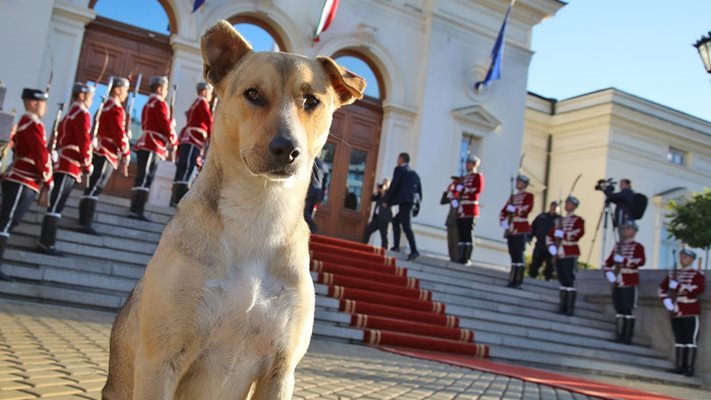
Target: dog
column 226, row 306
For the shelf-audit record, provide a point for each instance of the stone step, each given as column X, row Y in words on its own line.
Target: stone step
column 121, row 220
column 75, row 195
column 99, row 283
column 105, row 267
column 60, row 295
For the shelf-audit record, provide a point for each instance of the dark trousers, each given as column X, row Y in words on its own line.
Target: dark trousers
column 565, row 269
column 452, row 235
column 187, row 160
column 98, row 179
column 313, row 198
column 147, row 165
column 624, row 299
column 540, row 256
column 63, row 185
column 16, row 200
column 404, row 219
column 517, row 245
column 377, row 224
column 686, row 330
column 465, row 227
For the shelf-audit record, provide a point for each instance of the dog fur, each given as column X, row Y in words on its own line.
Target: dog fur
column 225, row 308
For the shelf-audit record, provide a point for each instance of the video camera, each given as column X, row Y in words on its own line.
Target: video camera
column 604, row 185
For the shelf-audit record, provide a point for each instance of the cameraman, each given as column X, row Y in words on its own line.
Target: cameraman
column 623, row 202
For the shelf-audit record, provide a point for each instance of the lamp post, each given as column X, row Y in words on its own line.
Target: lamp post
column 703, row 46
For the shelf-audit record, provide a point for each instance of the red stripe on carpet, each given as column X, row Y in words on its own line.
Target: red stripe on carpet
column 344, row 293
column 333, row 259
column 573, row 384
column 347, row 243
column 379, row 337
column 372, row 276
column 363, row 307
column 319, row 248
column 398, row 325
column 371, row 286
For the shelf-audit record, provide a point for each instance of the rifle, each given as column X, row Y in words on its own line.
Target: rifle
column 510, row 215
column 673, row 293
column 170, row 116
column 127, row 127
column 97, row 116
column 5, row 151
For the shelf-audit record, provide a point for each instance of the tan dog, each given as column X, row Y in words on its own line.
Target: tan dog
column 225, row 309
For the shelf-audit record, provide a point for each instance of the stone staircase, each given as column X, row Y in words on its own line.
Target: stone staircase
column 519, row 325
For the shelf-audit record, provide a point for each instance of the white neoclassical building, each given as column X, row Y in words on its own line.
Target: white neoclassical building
column 423, row 58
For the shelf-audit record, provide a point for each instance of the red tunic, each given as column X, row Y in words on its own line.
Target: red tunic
column 573, row 228
column 691, row 285
column 633, row 254
column 32, row 165
column 158, row 133
column 74, row 142
column 113, row 140
column 472, row 185
column 523, row 201
column 199, row 125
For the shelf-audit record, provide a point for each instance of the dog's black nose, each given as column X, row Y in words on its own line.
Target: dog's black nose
column 284, row 149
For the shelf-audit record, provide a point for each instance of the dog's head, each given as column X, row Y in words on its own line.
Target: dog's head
column 275, row 108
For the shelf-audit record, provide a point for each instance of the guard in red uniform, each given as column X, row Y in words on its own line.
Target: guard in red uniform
column 679, row 292
column 621, row 270
column 514, row 219
column 449, row 198
column 563, row 245
column 31, row 168
column 468, row 207
column 193, row 138
column 155, row 144
column 112, row 146
column 74, row 148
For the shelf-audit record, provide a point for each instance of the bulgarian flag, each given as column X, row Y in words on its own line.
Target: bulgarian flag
column 328, row 13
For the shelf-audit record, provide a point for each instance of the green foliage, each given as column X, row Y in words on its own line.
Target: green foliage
column 691, row 220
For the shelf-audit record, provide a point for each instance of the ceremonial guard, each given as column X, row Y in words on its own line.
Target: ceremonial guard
column 31, row 169
column 563, row 247
column 514, row 219
column 193, row 139
column 155, row 144
column 468, row 211
column 679, row 292
column 621, row 270
column 112, row 147
column 449, row 198
column 539, row 229
column 74, row 160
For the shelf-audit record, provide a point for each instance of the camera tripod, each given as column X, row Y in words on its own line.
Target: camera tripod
column 605, row 215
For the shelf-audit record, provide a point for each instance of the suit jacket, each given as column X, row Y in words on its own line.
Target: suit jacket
column 380, row 213
column 404, row 188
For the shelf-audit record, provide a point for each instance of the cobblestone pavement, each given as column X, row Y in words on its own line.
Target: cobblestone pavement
column 62, row 353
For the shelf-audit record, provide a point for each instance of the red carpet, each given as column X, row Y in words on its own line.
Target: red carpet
column 387, row 305
column 578, row 385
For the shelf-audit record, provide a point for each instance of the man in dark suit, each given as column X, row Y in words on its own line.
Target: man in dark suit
column 381, row 216
column 315, row 194
column 406, row 193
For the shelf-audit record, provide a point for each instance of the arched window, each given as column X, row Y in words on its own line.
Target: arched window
column 359, row 65
column 154, row 15
column 259, row 34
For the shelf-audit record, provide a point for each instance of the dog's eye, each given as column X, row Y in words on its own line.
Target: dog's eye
column 253, row 96
column 310, row 102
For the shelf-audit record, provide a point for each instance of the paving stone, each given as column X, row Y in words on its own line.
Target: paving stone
column 15, row 395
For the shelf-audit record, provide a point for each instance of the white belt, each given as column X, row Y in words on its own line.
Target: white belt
column 686, row 300
column 202, row 132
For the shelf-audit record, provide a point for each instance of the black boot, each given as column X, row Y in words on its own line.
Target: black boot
column 679, row 365
column 570, row 306
column 468, row 253
column 48, row 236
column 619, row 328
column 563, row 301
column 628, row 330
column 462, row 255
column 179, row 190
column 87, row 210
column 3, row 243
column 512, row 277
column 520, row 271
column 689, row 360
column 138, row 205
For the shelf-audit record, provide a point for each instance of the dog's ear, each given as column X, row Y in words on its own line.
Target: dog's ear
column 348, row 86
column 222, row 48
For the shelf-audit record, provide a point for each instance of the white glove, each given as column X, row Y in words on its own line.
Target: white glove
column 455, row 203
column 459, row 187
column 511, row 208
column 673, row 284
column 611, row 276
column 505, row 224
column 553, row 250
column 173, row 123
column 618, row 258
column 685, row 288
column 668, row 304
column 55, row 156
column 558, row 233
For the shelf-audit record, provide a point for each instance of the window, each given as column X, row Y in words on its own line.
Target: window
column 469, row 145
column 666, row 249
column 152, row 15
column 676, row 156
column 361, row 68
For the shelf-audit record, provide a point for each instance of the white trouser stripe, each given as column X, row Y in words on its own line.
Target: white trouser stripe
column 6, row 228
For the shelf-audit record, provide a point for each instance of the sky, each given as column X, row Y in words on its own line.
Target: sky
column 643, row 47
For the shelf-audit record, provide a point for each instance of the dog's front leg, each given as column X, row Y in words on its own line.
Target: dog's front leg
column 277, row 385
column 157, row 378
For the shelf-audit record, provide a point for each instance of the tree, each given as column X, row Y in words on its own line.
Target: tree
column 690, row 221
